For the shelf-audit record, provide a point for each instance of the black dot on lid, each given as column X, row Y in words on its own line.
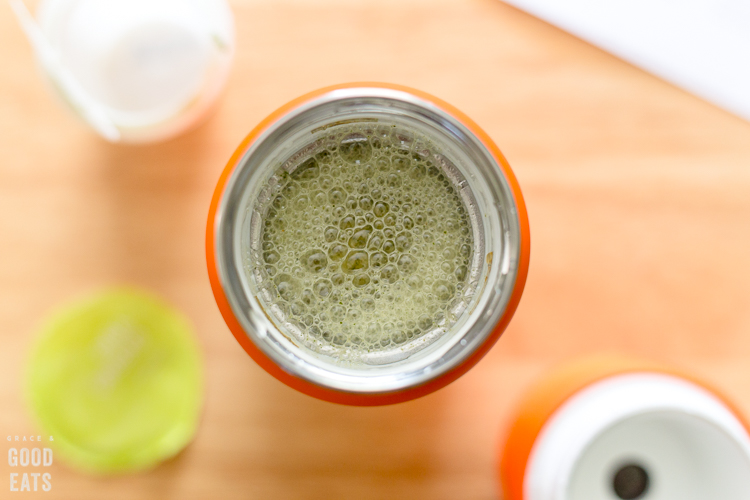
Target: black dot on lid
column 630, row 482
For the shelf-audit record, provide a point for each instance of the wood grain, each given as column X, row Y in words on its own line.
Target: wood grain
column 639, row 200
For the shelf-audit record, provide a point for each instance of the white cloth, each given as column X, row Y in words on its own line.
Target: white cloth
column 702, row 46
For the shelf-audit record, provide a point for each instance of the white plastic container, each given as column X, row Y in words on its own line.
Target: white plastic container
column 151, row 67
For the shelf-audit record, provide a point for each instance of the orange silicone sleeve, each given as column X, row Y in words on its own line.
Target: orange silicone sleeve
column 370, row 399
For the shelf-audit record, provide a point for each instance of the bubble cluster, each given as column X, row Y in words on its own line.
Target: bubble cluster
column 366, row 245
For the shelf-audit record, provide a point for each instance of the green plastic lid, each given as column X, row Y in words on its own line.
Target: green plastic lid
column 116, row 380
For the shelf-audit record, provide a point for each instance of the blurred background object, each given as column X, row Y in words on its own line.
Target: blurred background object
column 701, row 45
column 638, row 193
column 116, row 378
column 609, row 428
column 135, row 70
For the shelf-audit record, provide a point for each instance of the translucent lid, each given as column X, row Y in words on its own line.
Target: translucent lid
column 116, row 380
column 153, row 66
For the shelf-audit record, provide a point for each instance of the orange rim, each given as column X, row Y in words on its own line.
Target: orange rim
column 348, row 398
column 544, row 399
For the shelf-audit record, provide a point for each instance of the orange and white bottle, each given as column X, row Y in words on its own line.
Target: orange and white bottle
column 376, row 342
column 609, row 428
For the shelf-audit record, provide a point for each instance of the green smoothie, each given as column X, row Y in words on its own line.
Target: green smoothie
column 367, row 244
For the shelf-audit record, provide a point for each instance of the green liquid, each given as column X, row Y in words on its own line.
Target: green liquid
column 367, row 245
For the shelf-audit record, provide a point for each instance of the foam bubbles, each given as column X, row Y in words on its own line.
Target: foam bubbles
column 367, row 244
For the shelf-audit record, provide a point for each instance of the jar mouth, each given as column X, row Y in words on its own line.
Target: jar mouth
column 466, row 164
column 399, row 273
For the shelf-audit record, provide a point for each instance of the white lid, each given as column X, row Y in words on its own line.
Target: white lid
column 154, row 66
column 691, row 446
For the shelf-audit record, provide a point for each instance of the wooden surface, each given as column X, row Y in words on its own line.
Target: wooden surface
column 638, row 195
